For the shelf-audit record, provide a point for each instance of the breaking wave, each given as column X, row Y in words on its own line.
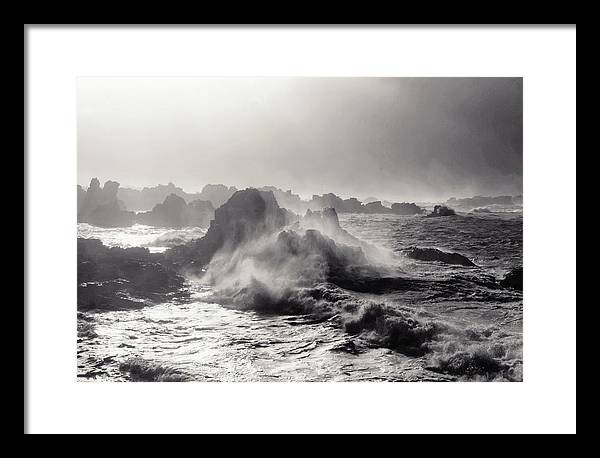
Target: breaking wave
column 141, row 370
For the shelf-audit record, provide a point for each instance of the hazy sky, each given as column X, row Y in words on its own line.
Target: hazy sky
column 393, row 138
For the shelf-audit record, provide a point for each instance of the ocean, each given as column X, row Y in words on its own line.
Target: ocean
column 477, row 326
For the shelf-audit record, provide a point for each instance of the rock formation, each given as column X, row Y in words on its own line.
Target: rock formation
column 433, row 254
column 174, row 212
column 247, row 215
column 376, row 208
column 145, row 199
column 100, row 207
column 405, row 208
column 441, row 210
column 513, row 279
column 117, row 278
column 353, row 205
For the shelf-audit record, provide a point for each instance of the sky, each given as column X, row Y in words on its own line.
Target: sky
column 398, row 139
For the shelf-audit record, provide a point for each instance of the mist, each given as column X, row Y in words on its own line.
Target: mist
column 398, row 139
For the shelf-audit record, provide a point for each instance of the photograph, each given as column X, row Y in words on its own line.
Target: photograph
column 299, row 229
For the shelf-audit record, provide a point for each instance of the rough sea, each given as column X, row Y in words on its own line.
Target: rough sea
column 201, row 340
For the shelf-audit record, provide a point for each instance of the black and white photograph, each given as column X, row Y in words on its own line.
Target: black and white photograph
column 299, row 229
column 296, row 229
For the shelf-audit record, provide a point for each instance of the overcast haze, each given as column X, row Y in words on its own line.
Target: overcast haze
column 393, row 138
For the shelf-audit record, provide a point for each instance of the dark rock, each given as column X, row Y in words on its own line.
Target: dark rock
column 441, row 210
column 247, row 215
column 376, row 208
column 353, row 205
column 433, row 254
column 513, row 279
column 405, row 208
column 118, row 278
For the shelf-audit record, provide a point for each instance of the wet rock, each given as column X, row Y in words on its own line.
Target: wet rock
column 441, row 210
column 513, row 279
column 433, row 254
column 118, row 278
column 247, row 215
column 326, row 221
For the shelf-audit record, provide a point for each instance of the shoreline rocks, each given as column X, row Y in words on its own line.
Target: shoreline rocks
column 122, row 278
column 433, row 254
column 441, row 210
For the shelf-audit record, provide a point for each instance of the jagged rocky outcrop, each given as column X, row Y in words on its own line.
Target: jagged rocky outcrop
column 441, row 210
column 174, row 212
column 247, row 215
column 513, row 279
column 330, row 200
column 405, row 208
column 100, row 206
column 327, row 222
column 122, row 278
column 433, row 254
column 143, row 200
column 377, row 208
column 353, row 205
